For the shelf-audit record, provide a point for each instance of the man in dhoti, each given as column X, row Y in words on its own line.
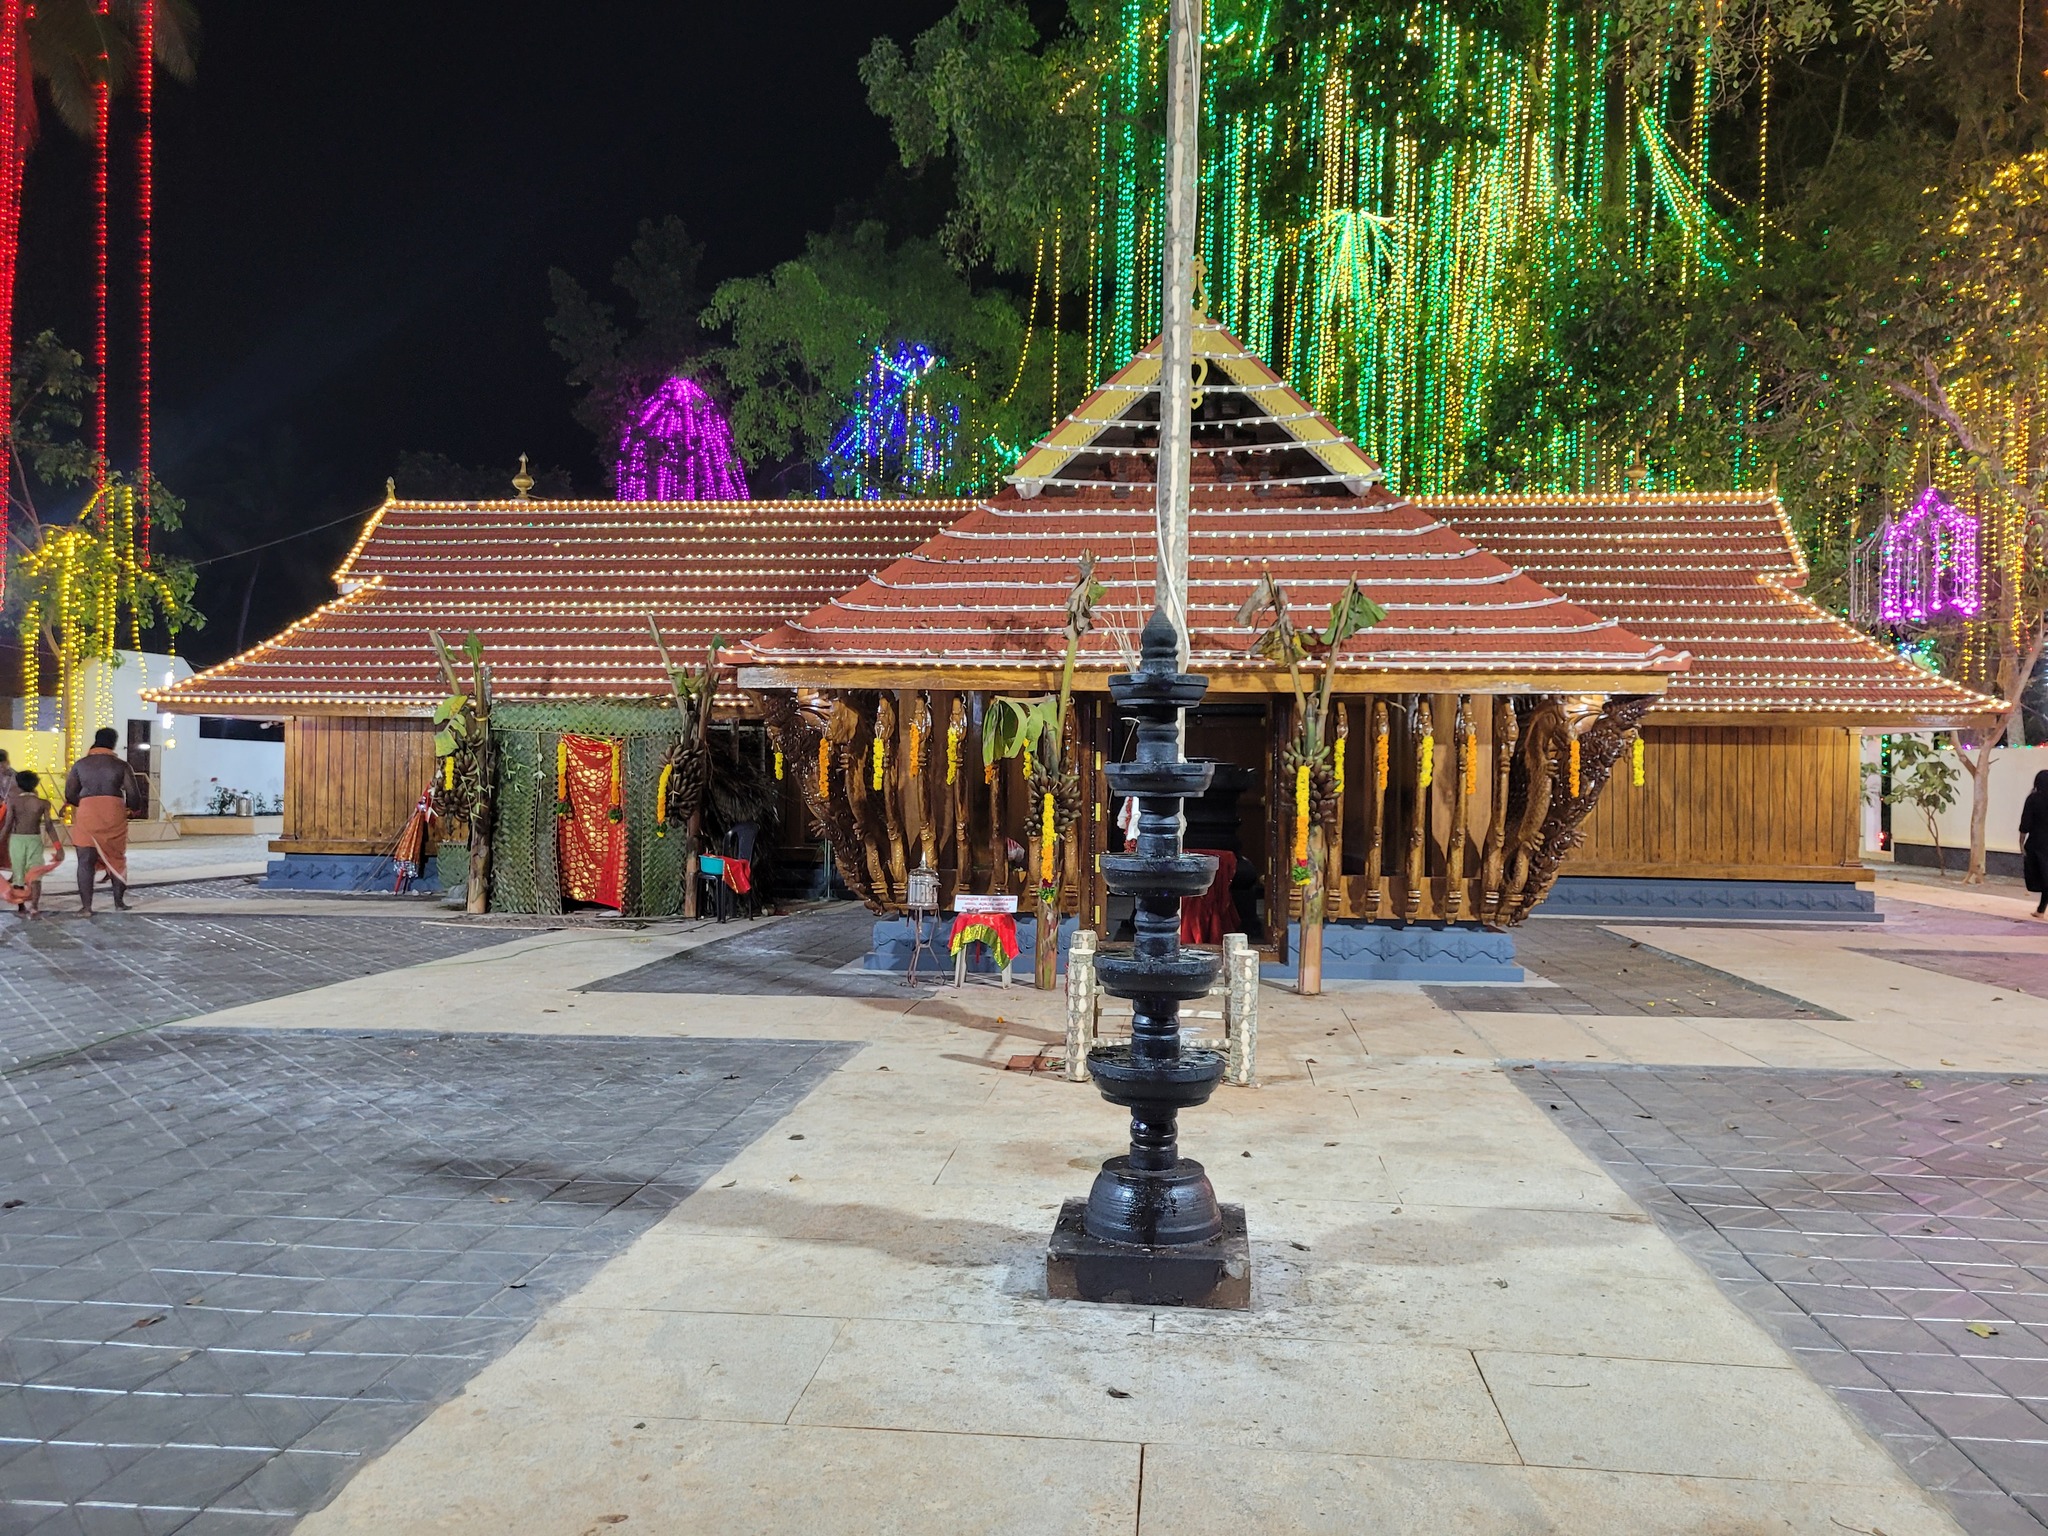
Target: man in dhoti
column 102, row 791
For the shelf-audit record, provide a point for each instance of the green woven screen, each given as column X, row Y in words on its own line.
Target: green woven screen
column 525, row 876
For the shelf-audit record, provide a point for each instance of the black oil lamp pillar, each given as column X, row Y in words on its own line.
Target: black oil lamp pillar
column 1151, row 1231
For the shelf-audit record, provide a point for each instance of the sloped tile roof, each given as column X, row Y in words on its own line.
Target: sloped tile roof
column 1713, row 575
column 561, row 592
column 989, row 592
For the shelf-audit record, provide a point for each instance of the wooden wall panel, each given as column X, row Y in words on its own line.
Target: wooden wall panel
column 1730, row 802
column 350, row 782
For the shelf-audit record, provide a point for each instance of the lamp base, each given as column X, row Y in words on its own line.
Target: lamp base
column 1217, row 1273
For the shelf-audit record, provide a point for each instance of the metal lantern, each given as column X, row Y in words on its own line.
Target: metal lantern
column 923, row 901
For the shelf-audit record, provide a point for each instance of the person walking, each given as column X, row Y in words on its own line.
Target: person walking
column 6, row 778
column 103, row 793
column 2034, row 841
column 27, row 828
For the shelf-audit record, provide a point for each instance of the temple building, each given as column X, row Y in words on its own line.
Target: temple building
column 1477, row 723
column 1628, row 692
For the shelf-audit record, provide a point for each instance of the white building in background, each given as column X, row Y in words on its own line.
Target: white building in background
column 192, row 761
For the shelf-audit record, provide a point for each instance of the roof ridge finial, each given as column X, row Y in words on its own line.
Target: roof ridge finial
column 523, row 481
column 390, row 488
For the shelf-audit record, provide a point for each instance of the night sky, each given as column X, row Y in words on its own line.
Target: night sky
column 357, row 208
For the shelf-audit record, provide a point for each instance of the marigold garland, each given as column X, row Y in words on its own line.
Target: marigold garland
column 1635, row 763
column 1337, row 765
column 778, row 765
column 1427, row 774
column 1575, row 767
column 562, row 805
column 953, row 755
column 916, row 747
column 881, row 755
column 1471, row 750
column 1048, row 841
column 668, row 771
column 988, row 773
column 448, row 773
column 824, row 770
column 1301, row 869
column 1380, row 763
column 616, row 811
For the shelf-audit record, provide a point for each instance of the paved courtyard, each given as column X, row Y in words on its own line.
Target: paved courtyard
column 695, row 1229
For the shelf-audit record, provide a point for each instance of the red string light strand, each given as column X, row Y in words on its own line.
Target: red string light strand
column 145, row 194
column 102, row 147
column 13, row 51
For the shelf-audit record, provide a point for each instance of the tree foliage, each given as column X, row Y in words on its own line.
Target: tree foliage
column 800, row 339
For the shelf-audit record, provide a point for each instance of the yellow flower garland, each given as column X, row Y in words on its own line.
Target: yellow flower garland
column 953, row 755
column 1047, row 839
column 668, row 771
column 778, row 765
column 1471, row 751
column 1635, row 763
column 824, row 769
column 1337, row 766
column 1427, row 774
column 561, row 769
column 880, row 755
column 1575, row 767
column 916, row 747
column 1301, row 816
column 1380, row 764
column 448, row 772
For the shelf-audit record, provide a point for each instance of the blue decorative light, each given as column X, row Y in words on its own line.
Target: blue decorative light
column 898, row 441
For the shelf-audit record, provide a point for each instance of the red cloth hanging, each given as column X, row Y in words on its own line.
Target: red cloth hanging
column 592, row 837
column 739, row 874
column 1204, row 919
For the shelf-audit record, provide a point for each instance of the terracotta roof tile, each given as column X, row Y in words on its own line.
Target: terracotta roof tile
column 990, row 591
column 561, row 592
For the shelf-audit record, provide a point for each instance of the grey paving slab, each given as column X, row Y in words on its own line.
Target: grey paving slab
column 1891, row 1230
column 1587, row 969
column 243, row 1261
column 802, row 955
column 67, row 981
column 2016, row 972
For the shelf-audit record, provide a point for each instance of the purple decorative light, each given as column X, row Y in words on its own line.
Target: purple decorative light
column 1931, row 570
column 677, row 447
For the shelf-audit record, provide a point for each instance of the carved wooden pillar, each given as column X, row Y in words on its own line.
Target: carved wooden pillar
column 1418, row 822
column 1492, row 865
column 1462, row 761
column 1377, row 748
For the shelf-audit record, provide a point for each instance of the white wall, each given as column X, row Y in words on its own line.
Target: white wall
column 186, row 766
column 2012, row 776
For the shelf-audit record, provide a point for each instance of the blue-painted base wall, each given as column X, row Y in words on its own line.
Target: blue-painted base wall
column 889, row 949
column 1799, row 901
column 365, row 872
column 1379, row 952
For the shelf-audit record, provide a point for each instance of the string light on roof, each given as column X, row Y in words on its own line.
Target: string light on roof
column 678, row 447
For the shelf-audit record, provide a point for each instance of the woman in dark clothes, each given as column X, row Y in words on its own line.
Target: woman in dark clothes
column 2034, row 840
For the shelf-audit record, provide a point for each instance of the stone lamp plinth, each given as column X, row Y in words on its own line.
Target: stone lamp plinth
column 1151, row 1231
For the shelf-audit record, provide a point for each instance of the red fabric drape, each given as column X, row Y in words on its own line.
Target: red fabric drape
column 1204, row 919
column 592, row 844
